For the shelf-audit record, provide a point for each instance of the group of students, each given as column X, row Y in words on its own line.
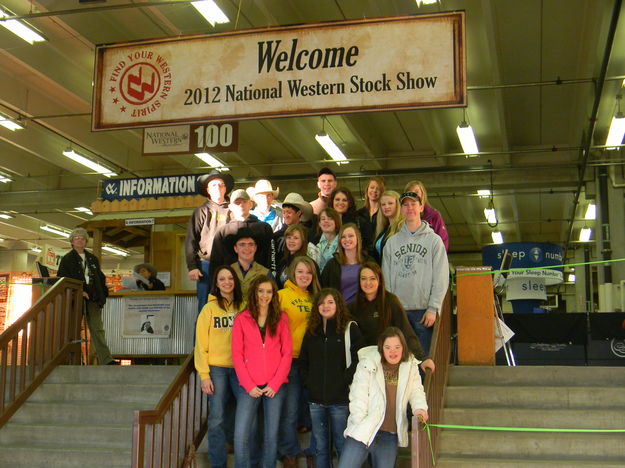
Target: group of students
column 273, row 345
column 290, row 337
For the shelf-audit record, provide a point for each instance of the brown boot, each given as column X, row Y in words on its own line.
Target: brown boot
column 289, row 462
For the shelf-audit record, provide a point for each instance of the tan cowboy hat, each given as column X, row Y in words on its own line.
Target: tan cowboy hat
column 296, row 200
column 263, row 186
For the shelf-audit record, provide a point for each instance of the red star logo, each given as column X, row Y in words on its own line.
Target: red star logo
column 115, row 101
column 122, row 108
column 112, row 89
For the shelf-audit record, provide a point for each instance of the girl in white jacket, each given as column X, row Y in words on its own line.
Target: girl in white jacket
column 387, row 380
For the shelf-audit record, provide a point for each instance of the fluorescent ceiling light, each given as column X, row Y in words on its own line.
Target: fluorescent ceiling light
column 4, row 179
column 617, row 131
column 212, row 161
column 55, row 230
column 36, row 249
column 5, row 216
column 591, row 211
column 84, row 209
column 485, row 193
column 73, row 155
column 571, row 278
column 1, row 239
column 21, row 29
column 490, row 215
column 497, row 237
column 426, row 2
column 209, row 10
column 584, row 234
column 8, row 122
column 330, row 147
column 467, row 138
column 115, row 251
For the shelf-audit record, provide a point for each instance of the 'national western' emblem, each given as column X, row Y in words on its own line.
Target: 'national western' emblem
column 140, row 83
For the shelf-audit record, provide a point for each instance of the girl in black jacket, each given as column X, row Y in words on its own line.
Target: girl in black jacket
column 328, row 360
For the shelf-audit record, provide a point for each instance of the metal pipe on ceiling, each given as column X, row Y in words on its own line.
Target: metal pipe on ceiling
column 592, row 120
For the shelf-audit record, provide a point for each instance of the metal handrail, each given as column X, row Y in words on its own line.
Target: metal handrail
column 434, row 386
column 45, row 336
column 164, row 436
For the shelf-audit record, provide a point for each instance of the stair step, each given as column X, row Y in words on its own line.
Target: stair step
column 25, row 456
column 77, row 413
column 113, row 374
column 67, row 435
column 534, row 397
column 102, row 392
column 454, row 462
column 548, row 376
column 540, row 418
column 527, row 445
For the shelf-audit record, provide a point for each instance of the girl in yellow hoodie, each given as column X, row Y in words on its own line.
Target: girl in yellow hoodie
column 213, row 356
column 296, row 301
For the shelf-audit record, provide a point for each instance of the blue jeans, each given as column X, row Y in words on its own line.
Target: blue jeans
column 326, row 420
column 247, row 408
column 383, row 451
column 203, row 285
column 225, row 382
column 289, row 444
column 423, row 333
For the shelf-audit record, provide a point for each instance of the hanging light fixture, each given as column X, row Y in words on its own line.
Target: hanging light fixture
column 211, row 12
column 55, row 230
column 20, row 28
column 617, row 127
column 591, row 211
column 80, row 159
column 585, row 234
column 212, row 161
column 116, row 250
column 329, row 146
column 497, row 237
column 11, row 124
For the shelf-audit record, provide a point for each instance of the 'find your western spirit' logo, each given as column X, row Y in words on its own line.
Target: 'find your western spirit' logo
column 140, row 83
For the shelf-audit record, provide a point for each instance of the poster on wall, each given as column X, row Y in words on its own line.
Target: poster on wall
column 147, row 316
column 379, row 64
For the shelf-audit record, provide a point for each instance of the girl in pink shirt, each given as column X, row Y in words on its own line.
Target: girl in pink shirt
column 261, row 353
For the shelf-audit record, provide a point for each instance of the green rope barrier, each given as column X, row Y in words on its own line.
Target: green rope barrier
column 511, row 429
column 523, row 429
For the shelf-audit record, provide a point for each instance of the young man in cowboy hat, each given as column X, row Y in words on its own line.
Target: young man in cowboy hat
column 326, row 183
column 263, row 195
column 222, row 252
column 202, row 227
column 245, row 247
column 295, row 210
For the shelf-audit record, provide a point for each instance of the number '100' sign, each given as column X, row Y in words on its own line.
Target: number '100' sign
column 219, row 137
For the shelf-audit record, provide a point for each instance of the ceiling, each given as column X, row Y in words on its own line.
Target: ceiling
column 533, row 71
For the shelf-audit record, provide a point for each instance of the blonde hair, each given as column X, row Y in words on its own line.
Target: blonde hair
column 424, row 193
column 380, row 223
column 314, row 285
column 394, row 223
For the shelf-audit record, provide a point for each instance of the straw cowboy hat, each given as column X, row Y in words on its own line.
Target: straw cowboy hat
column 263, row 186
column 296, row 200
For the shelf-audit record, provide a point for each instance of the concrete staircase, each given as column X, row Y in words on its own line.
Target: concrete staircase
column 534, row 396
column 82, row 417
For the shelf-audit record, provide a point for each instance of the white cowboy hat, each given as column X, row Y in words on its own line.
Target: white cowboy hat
column 262, row 186
column 298, row 201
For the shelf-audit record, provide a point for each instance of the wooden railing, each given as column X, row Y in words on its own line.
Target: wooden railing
column 44, row 337
column 435, row 385
column 168, row 435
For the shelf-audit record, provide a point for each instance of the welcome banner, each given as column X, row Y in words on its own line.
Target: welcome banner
column 326, row 68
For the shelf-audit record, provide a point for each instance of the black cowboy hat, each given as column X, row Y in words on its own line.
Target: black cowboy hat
column 203, row 181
